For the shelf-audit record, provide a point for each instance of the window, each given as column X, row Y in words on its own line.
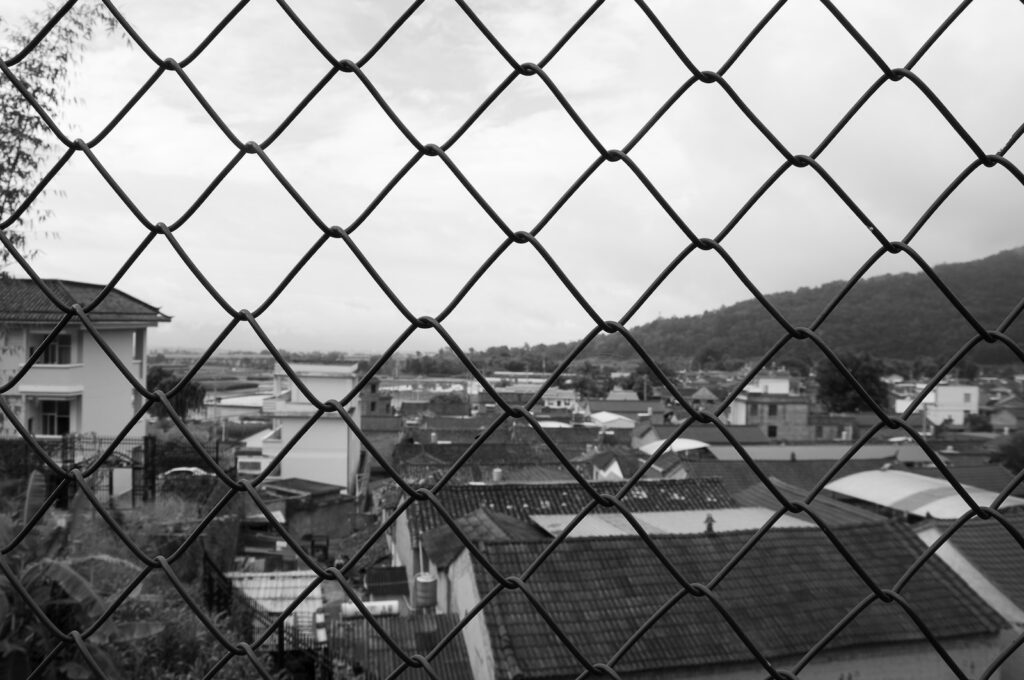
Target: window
column 773, row 432
column 773, row 409
column 967, row 397
column 57, row 352
column 138, row 344
column 752, row 409
column 55, row 417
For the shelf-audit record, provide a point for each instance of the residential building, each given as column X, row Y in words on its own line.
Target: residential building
column 782, row 417
column 946, row 403
column 328, row 451
column 785, row 594
column 987, row 557
column 523, row 500
column 1005, row 415
column 72, row 386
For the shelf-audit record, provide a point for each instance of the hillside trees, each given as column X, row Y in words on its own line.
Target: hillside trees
column 839, row 395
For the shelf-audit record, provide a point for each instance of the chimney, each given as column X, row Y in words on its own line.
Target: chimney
column 496, row 475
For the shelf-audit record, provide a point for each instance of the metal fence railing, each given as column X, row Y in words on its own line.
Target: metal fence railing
column 79, row 641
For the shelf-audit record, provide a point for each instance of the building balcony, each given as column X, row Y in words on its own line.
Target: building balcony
column 52, row 380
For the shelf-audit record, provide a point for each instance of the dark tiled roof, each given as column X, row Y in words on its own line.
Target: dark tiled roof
column 995, row 553
column 522, row 500
column 786, row 594
column 487, row 453
column 480, row 526
column 22, row 301
column 736, row 475
column 832, row 512
column 415, row 635
column 299, row 485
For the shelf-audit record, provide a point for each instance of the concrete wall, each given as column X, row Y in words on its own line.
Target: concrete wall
column 322, row 454
column 464, row 595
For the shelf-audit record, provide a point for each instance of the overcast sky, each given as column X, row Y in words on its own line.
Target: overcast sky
column 429, row 236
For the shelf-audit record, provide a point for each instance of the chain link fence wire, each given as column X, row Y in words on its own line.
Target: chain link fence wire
column 164, row 564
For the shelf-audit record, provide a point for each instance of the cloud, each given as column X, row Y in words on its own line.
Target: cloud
column 428, row 236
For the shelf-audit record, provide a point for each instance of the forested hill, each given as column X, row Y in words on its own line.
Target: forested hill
column 900, row 316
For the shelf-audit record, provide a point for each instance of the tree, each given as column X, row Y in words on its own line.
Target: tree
column 1010, row 451
column 190, row 398
column 26, row 143
column 838, row 394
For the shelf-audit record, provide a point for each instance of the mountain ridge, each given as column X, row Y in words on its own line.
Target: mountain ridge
column 891, row 316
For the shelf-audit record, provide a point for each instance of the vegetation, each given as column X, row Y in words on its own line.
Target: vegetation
column 26, row 144
column 1011, row 451
column 190, row 398
column 839, row 395
column 899, row 318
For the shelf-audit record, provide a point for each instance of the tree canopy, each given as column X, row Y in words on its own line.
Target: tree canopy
column 839, row 395
column 189, row 398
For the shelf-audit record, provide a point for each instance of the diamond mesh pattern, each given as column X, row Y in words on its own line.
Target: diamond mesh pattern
column 419, row 150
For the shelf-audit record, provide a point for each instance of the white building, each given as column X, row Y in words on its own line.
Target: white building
column 72, row 386
column 328, row 451
column 946, row 402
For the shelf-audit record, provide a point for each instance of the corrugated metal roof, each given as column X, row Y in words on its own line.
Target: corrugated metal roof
column 275, row 591
column 912, row 493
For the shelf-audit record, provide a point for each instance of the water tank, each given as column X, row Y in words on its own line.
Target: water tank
column 424, row 590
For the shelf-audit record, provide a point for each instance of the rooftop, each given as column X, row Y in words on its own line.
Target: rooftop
column 786, row 594
column 912, row 493
column 23, row 301
column 522, row 500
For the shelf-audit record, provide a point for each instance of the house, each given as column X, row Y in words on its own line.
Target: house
column 988, row 558
column 631, row 409
column 328, row 451
column 521, row 500
column 72, row 385
column 782, row 417
column 948, row 402
column 785, row 595
column 1005, row 415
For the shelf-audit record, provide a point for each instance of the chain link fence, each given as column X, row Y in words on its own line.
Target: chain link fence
column 234, row 647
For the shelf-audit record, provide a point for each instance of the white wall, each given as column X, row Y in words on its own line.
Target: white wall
column 465, row 596
column 107, row 400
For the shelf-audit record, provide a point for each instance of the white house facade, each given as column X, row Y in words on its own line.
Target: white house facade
column 72, row 387
column 328, row 451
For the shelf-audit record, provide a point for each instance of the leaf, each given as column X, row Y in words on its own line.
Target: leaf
column 74, row 585
column 35, row 495
column 75, row 670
